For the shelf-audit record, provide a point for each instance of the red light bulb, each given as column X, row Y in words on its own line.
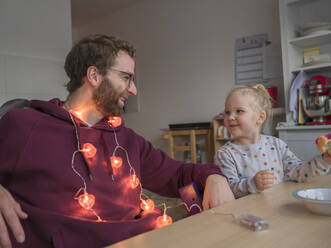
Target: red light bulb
column 116, row 162
column 86, row 200
column 163, row 220
column 147, row 205
column 89, row 150
column 115, row 121
column 134, row 181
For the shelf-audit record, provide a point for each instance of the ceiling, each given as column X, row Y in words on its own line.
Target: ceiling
column 85, row 11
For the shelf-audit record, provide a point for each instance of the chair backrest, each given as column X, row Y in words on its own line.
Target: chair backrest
column 13, row 104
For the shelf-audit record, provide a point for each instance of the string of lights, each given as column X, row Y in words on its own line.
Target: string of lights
column 87, row 200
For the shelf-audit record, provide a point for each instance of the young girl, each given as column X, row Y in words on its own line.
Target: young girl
column 253, row 162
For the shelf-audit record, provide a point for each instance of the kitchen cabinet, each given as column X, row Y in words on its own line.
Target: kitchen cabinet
column 294, row 14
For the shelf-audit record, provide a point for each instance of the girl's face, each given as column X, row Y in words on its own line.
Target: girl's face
column 243, row 119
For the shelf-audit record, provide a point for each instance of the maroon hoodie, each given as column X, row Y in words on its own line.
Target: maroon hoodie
column 36, row 149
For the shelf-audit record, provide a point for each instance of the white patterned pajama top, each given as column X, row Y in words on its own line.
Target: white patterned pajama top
column 241, row 163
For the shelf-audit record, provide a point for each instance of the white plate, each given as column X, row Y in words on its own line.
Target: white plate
column 314, row 28
column 312, row 25
column 316, row 31
column 316, row 200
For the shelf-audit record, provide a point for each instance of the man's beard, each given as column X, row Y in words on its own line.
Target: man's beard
column 106, row 99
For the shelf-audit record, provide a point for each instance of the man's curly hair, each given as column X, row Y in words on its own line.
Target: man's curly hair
column 94, row 50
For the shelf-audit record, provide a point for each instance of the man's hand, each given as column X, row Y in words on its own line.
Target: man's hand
column 264, row 179
column 10, row 213
column 217, row 192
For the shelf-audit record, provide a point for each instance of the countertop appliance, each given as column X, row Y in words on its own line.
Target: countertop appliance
column 317, row 100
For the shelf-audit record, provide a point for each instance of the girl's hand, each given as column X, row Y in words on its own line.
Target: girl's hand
column 264, row 179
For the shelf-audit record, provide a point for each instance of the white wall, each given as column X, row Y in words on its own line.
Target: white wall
column 185, row 62
column 35, row 37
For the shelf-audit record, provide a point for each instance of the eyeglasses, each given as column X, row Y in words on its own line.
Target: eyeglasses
column 127, row 77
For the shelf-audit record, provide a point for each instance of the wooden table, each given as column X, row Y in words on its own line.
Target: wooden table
column 291, row 224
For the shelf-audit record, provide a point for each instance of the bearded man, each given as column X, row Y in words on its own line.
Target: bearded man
column 72, row 174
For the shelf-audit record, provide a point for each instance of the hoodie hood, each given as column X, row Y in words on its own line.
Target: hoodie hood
column 54, row 108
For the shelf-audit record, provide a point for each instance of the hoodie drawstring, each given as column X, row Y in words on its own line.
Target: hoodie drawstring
column 107, row 155
column 77, row 132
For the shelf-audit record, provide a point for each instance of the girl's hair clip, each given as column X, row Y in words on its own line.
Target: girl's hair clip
column 258, row 87
column 255, row 86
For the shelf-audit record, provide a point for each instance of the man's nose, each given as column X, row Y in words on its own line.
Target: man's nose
column 132, row 89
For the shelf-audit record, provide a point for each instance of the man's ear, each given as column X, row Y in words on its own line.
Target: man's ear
column 262, row 117
column 93, row 76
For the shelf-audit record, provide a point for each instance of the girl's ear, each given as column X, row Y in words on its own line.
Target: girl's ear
column 93, row 76
column 262, row 117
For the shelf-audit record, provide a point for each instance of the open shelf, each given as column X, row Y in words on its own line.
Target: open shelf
column 314, row 68
column 312, row 40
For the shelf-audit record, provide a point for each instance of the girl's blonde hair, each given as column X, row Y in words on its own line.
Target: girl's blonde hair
column 260, row 94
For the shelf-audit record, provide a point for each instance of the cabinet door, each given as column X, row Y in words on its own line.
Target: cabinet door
column 302, row 141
